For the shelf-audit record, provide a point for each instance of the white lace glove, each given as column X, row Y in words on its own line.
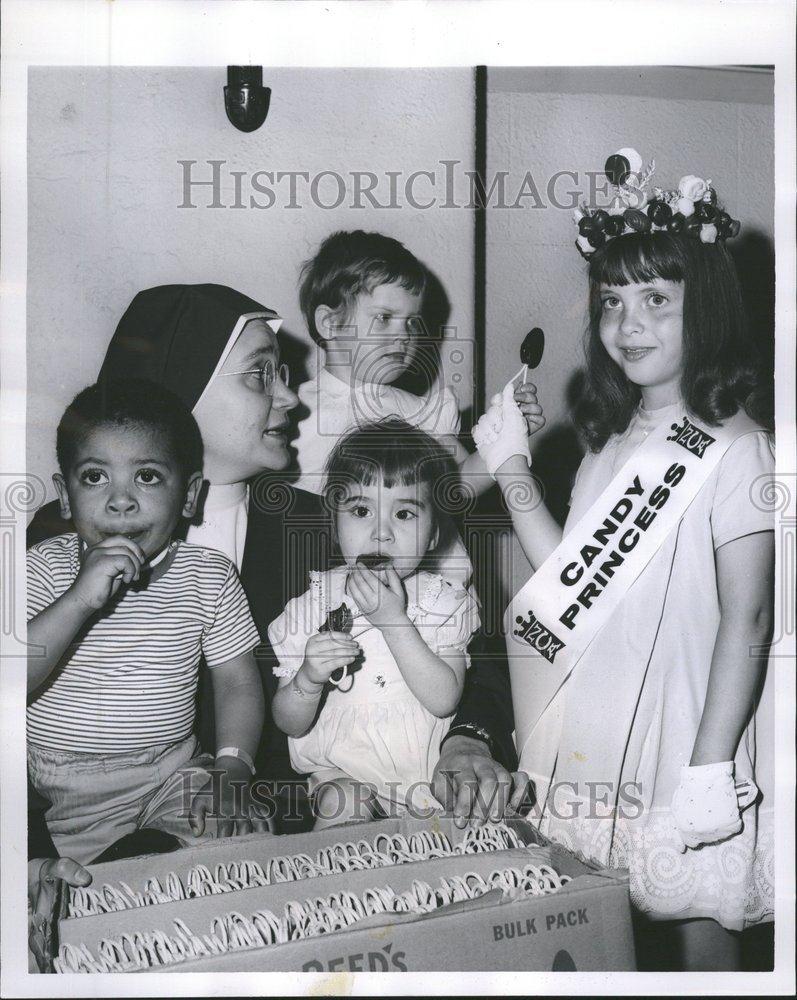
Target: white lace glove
column 708, row 803
column 502, row 431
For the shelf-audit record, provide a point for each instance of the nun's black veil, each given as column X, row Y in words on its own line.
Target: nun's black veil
column 175, row 335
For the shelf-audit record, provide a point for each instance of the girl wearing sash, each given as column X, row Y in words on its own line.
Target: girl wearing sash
column 640, row 697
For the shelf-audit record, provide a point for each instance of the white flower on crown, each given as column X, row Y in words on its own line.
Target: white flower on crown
column 633, row 157
column 708, row 232
column 692, row 187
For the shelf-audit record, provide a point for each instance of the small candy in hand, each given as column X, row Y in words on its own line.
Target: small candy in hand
column 373, row 560
column 338, row 620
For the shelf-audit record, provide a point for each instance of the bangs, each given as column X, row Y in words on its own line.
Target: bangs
column 639, row 258
column 391, row 452
column 386, row 467
column 412, row 278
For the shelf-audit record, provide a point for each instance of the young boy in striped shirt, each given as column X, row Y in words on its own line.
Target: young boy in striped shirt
column 119, row 616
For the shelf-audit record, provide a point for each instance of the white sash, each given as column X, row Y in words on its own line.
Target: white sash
column 555, row 616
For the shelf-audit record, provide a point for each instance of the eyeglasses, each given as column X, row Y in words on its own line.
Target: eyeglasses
column 268, row 373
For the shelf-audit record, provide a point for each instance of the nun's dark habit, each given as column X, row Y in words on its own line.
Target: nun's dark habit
column 176, row 335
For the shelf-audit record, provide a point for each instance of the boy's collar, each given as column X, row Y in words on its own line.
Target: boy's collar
column 336, row 386
column 332, row 384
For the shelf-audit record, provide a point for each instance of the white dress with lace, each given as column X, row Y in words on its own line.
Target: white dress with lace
column 373, row 728
column 669, row 619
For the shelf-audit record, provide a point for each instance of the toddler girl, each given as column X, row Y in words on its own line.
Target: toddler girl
column 637, row 697
column 371, row 740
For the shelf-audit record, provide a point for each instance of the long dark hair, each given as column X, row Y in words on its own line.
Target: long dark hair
column 718, row 374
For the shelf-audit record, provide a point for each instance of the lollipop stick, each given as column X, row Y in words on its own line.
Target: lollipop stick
column 338, row 680
column 525, row 373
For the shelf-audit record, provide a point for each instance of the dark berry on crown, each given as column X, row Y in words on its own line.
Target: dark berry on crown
column 676, row 223
column 723, row 224
column 596, row 238
column 659, row 213
column 637, row 220
column 705, row 212
column 617, row 169
column 722, row 219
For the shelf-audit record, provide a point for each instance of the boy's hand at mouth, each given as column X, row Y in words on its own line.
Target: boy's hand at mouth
column 105, row 567
column 380, row 595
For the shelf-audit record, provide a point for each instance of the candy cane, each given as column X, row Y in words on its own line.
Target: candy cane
column 320, row 915
column 385, row 851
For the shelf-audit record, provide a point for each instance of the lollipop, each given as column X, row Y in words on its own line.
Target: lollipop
column 531, row 351
column 338, row 620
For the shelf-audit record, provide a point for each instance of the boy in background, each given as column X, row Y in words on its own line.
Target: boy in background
column 362, row 296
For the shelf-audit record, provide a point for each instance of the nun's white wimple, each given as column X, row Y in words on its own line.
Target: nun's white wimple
column 273, row 322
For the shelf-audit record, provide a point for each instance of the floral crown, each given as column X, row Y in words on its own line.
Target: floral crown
column 691, row 208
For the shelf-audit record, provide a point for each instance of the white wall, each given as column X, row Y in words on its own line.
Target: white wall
column 715, row 123
column 104, row 186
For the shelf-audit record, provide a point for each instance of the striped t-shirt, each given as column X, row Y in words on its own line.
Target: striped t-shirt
column 130, row 681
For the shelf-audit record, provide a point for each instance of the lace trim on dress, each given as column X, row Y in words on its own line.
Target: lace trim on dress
column 415, row 609
column 419, row 612
column 732, row 881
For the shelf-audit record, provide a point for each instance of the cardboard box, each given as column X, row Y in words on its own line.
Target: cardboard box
column 584, row 926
